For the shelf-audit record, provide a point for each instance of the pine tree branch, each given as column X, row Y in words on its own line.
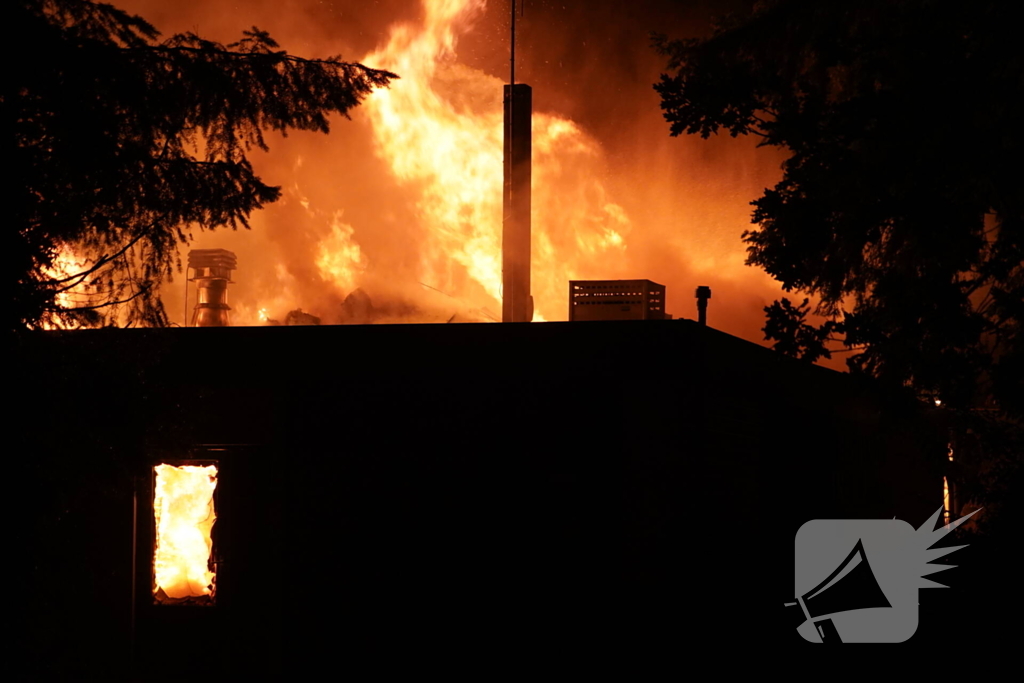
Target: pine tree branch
column 105, row 304
column 99, row 264
column 269, row 56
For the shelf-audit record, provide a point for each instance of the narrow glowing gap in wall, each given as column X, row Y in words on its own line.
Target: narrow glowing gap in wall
column 945, row 500
column 184, row 515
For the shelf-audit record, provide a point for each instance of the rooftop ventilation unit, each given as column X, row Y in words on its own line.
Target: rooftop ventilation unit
column 616, row 300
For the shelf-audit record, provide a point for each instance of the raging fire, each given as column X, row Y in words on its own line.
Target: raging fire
column 439, row 133
column 184, row 514
column 67, row 273
column 440, row 129
column 402, row 205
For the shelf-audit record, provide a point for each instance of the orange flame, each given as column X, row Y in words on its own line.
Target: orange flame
column 440, row 128
column 404, row 201
column 339, row 257
column 66, row 265
column 184, row 514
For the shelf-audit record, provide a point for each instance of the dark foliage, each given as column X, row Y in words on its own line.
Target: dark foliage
column 901, row 204
column 901, row 208
column 787, row 324
column 124, row 144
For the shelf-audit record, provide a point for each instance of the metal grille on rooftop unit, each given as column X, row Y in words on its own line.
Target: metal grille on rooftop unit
column 616, row 300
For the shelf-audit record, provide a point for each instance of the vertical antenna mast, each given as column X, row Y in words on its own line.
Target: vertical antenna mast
column 512, row 58
column 512, row 65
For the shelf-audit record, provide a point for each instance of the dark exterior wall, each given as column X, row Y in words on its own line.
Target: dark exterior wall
column 584, row 479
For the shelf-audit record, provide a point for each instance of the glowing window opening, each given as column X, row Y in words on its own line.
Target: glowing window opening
column 945, row 500
column 184, row 514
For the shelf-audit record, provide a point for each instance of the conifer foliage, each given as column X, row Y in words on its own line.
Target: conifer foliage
column 125, row 143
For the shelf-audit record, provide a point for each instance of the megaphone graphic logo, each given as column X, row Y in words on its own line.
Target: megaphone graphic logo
column 844, row 598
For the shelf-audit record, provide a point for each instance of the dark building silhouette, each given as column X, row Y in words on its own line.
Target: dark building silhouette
column 491, row 486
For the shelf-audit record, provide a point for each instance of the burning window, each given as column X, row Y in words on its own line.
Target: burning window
column 183, row 509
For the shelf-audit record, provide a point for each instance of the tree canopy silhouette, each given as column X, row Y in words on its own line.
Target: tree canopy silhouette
column 901, row 208
column 125, row 143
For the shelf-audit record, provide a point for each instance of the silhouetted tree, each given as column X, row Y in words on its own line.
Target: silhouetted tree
column 123, row 144
column 903, row 120
column 787, row 324
column 901, row 208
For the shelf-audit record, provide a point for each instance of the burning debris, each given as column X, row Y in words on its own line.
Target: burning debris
column 184, row 515
column 298, row 317
column 357, row 309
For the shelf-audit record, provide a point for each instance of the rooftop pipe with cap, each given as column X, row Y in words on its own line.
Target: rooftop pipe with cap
column 212, row 275
column 703, row 294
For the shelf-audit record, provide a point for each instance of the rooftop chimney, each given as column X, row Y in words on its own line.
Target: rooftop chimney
column 703, row 294
column 516, row 302
column 212, row 275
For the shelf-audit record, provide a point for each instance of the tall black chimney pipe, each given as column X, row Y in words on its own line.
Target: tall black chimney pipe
column 517, row 304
